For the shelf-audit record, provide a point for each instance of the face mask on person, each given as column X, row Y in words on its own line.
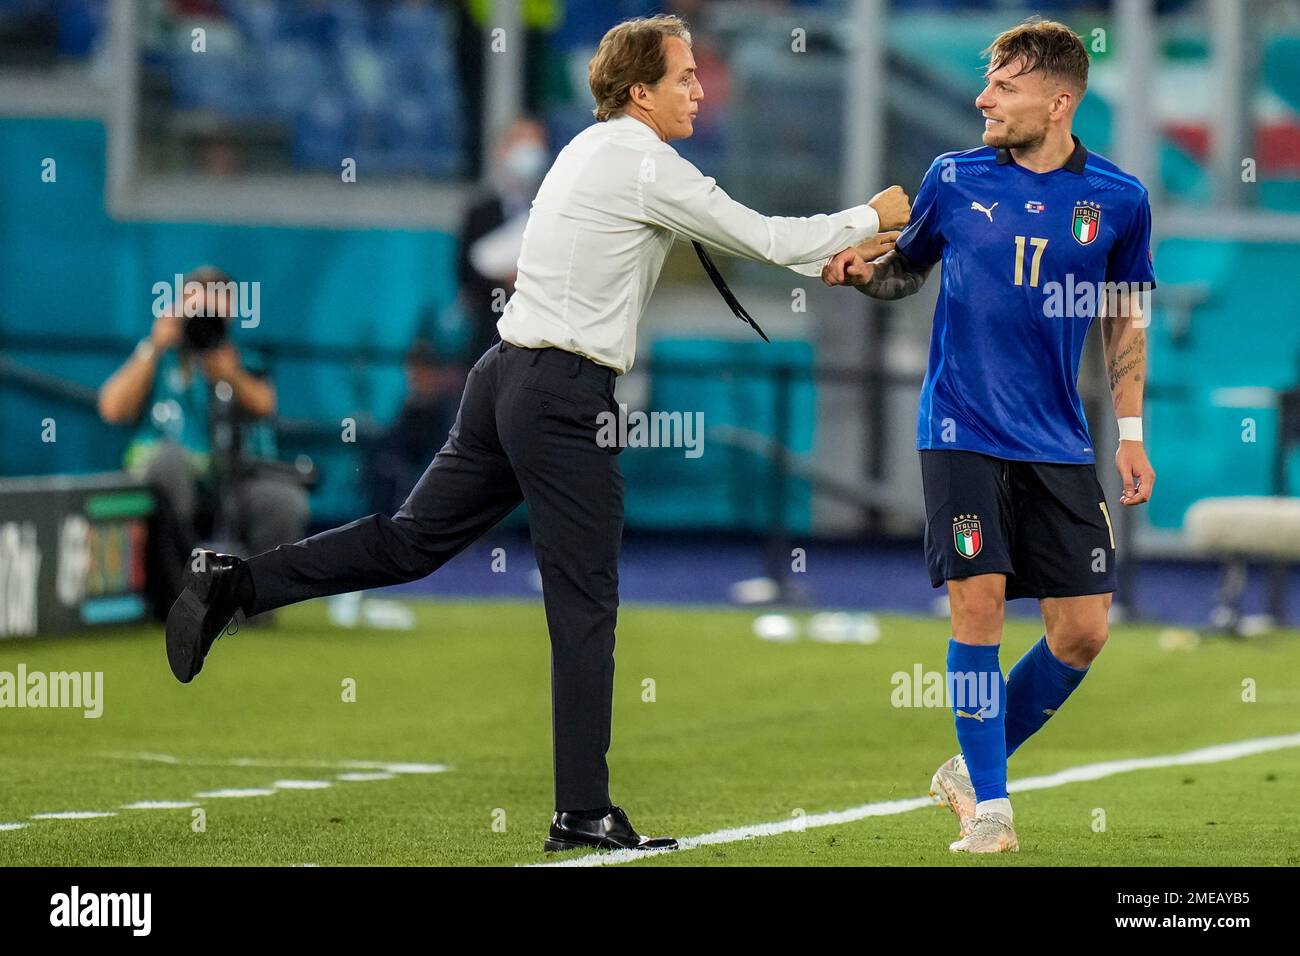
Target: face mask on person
column 522, row 168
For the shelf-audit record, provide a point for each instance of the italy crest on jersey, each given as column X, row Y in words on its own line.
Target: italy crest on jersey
column 1087, row 222
column 967, row 536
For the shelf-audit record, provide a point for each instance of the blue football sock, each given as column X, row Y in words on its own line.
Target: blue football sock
column 979, row 711
column 1036, row 688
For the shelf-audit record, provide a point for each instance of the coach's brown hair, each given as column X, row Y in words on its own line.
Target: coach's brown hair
column 630, row 53
column 1045, row 45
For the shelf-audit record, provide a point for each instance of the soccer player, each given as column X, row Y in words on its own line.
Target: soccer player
column 1037, row 237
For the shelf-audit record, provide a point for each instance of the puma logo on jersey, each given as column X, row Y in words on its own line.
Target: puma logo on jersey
column 978, row 715
column 976, row 207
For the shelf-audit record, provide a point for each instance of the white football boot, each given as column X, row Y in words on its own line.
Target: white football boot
column 951, row 787
column 990, row 833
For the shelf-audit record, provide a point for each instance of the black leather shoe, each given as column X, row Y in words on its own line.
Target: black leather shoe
column 207, row 603
column 613, row 831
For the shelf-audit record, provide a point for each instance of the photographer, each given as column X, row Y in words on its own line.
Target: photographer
column 178, row 384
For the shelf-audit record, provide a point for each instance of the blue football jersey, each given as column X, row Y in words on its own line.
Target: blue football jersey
column 1025, row 256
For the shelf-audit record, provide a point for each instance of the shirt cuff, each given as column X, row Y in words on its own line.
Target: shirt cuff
column 813, row 269
column 865, row 223
column 861, row 223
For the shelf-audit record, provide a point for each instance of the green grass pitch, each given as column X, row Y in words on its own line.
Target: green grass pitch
column 739, row 731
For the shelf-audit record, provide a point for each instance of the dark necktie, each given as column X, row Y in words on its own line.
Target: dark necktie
column 728, row 296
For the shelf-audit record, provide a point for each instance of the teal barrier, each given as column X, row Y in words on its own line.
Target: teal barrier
column 1216, row 432
column 730, row 383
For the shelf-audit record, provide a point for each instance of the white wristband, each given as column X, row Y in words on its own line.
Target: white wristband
column 1130, row 429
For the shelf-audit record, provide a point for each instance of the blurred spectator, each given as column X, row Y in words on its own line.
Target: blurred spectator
column 493, row 227
column 201, row 407
column 428, row 412
column 540, row 18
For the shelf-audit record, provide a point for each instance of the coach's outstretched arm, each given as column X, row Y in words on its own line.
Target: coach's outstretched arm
column 887, row 273
column 675, row 195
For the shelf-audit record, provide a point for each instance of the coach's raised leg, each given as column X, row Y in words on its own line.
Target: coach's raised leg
column 467, row 489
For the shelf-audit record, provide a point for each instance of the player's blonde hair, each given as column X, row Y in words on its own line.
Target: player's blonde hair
column 631, row 53
column 1044, row 45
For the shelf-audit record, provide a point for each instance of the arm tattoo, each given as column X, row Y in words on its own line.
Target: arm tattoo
column 1118, row 375
column 1130, row 358
column 894, row 278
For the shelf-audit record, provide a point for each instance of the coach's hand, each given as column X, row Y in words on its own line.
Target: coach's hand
column 893, row 207
column 1136, row 471
column 854, row 266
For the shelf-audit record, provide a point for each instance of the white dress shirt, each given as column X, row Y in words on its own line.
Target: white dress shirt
column 601, row 227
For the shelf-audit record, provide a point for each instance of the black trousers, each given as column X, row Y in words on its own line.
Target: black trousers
column 526, row 431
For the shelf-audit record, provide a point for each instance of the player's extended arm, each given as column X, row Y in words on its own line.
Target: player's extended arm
column 888, row 276
column 1124, row 338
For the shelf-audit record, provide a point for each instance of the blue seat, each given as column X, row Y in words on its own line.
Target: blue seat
column 323, row 134
column 261, row 22
column 292, row 74
column 215, row 81
column 418, row 29
column 81, row 22
column 327, row 23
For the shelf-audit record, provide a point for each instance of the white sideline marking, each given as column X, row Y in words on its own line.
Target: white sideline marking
column 397, row 767
column 1093, row 771
column 159, row 758
column 388, row 766
column 362, row 771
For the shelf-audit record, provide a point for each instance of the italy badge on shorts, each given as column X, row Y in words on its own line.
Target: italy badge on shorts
column 1087, row 222
column 967, row 537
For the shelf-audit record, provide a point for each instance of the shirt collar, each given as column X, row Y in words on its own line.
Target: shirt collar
column 1078, row 159
column 623, row 121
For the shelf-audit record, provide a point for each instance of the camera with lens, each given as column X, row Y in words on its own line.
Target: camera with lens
column 202, row 333
column 208, row 330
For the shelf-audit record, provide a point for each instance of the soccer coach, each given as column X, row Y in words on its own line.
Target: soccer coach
column 598, row 233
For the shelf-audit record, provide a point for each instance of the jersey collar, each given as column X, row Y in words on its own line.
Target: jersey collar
column 1078, row 159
